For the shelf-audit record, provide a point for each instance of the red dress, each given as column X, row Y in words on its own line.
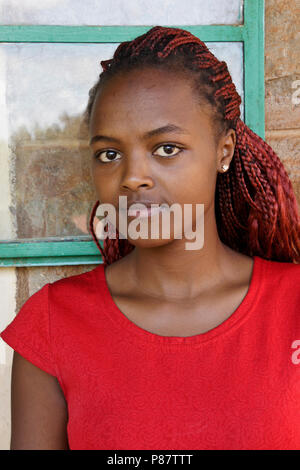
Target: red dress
column 236, row 386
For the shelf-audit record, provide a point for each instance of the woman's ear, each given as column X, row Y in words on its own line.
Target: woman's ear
column 226, row 150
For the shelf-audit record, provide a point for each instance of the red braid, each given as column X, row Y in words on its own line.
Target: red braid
column 256, row 208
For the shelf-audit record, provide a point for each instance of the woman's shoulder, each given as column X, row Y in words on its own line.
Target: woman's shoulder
column 79, row 289
column 281, row 268
column 77, row 281
column 280, row 276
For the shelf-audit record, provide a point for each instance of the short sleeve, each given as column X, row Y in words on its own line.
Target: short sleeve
column 29, row 332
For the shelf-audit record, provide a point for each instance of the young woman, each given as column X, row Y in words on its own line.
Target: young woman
column 161, row 347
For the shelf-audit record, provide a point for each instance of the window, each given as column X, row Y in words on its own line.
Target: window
column 49, row 59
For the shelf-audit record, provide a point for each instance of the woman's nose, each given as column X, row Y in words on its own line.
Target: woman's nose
column 133, row 184
column 137, row 175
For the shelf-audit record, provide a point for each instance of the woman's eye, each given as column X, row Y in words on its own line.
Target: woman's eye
column 168, row 150
column 109, row 157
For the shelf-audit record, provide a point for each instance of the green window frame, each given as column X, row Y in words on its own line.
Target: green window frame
column 69, row 250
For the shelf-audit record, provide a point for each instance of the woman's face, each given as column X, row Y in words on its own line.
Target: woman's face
column 157, row 144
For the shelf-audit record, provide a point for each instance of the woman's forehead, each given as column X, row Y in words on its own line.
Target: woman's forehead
column 145, row 86
column 145, row 97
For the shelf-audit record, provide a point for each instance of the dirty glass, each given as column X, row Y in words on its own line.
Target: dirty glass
column 124, row 12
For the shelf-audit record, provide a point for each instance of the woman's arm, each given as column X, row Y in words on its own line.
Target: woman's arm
column 39, row 413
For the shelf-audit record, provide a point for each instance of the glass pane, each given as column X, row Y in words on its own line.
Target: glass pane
column 46, row 187
column 124, row 12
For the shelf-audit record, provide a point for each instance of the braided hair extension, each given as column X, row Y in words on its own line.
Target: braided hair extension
column 255, row 206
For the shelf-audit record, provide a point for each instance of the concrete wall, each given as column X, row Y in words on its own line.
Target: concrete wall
column 282, row 73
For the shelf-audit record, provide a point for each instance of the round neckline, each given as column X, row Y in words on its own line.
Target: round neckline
column 136, row 333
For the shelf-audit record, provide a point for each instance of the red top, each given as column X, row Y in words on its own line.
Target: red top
column 236, row 386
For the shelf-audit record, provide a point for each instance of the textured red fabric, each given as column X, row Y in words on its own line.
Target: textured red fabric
column 236, row 386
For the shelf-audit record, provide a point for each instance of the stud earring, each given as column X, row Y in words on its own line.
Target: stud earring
column 225, row 167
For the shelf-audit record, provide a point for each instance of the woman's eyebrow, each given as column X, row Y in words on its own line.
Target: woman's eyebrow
column 147, row 135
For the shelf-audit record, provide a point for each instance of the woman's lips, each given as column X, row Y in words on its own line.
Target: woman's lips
column 145, row 212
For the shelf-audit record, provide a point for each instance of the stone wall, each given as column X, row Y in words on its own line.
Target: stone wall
column 282, row 80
